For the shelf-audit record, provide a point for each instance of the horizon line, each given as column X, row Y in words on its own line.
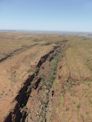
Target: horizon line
column 42, row 31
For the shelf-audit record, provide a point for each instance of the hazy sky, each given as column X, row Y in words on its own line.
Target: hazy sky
column 56, row 15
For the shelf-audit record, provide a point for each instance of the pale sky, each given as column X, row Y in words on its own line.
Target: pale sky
column 48, row 15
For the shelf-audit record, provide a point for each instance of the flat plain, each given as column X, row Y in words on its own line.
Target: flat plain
column 45, row 77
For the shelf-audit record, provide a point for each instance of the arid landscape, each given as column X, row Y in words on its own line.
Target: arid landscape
column 45, row 77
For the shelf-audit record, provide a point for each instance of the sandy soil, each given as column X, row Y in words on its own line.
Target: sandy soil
column 45, row 78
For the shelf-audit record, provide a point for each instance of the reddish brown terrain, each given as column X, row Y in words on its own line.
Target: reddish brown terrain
column 45, row 78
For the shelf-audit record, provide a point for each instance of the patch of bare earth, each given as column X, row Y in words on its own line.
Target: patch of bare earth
column 14, row 71
column 45, row 78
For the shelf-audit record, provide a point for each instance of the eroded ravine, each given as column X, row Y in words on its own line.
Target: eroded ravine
column 41, row 81
column 17, row 51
